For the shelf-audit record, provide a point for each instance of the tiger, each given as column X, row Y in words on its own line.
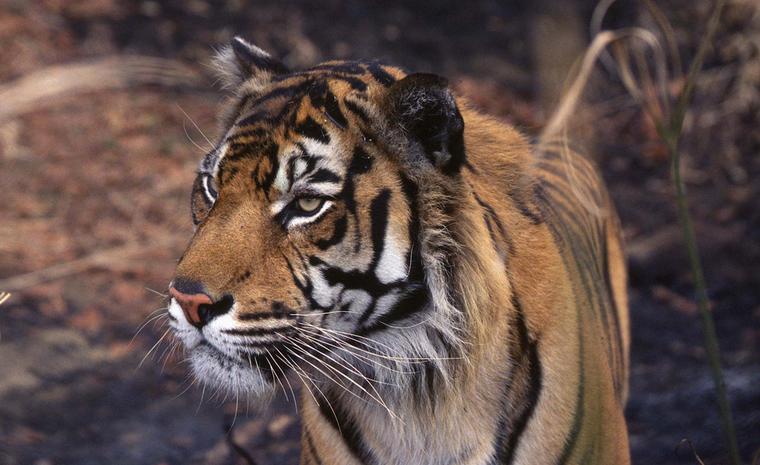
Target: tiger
column 427, row 274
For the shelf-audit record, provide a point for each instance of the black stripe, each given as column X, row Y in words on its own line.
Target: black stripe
column 230, row 117
column 313, row 130
column 264, row 181
column 524, row 209
column 494, row 240
column 324, row 175
column 353, row 279
column 361, row 163
column 291, row 171
column 311, row 75
column 571, row 439
column 357, row 110
column 258, row 331
column 525, row 391
column 416, row 295
column 607, row 277
column 306, row 288
column 199, row 192
column 311, row 448
column 338, row 234
column 491, row 213
column 332, row 110
column 414, row 258
column 411, row 303
column 379, row 225
column 470, row 167
column 355, row 83
column 253, row 118
column 244, row 149
column 584, row 173
column 555, row 226
column 379, row 217
column 582, row 238
column 346, row 67
column 279, row 314
column 423, row 382
column 380, row 75
column 346, row 427
column 365, row 280
column 287, row 92
column 251, row 133
column 256, row 61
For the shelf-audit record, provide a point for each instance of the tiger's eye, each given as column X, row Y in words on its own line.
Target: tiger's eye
column 309, row 204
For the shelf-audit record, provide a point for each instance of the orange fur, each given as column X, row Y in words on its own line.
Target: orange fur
column 526, row 286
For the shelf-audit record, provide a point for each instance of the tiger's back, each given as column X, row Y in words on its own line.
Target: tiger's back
column 550, row 216
column 445, row 293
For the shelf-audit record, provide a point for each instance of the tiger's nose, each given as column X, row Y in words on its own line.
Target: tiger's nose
column 198, row 307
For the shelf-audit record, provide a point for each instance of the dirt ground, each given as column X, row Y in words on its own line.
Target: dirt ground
column 96, row 192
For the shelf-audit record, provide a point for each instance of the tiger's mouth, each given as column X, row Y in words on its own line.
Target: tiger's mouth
column 261, row 362
column 247, row 373
column 241, row 358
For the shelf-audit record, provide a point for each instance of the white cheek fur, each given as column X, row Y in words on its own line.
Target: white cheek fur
column 209, row 369
column 184, row 331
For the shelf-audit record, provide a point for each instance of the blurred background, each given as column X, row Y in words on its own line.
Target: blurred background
column 103, row 107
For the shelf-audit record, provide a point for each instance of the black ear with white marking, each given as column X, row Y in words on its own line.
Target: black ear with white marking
column 240, row 61
column 425, row 109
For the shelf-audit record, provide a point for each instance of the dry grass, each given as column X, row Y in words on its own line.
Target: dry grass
column 115, row 72
column 649, row 86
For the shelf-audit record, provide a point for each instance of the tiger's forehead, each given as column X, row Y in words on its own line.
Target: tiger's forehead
column 298, row 120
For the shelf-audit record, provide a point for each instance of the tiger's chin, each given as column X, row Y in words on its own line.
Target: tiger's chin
column 216, row 370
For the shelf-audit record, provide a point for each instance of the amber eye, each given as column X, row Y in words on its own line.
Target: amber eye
column 309, row 204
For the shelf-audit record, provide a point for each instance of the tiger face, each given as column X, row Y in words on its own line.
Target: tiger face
column 309, row 252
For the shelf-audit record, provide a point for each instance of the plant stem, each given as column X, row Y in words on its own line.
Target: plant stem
column 708, row 324
column 671, row 135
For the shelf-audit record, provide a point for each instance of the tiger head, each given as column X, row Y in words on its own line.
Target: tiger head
column 323, row 225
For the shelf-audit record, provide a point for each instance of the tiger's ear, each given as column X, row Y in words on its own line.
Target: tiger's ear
column 426, row 111
column 240, row 61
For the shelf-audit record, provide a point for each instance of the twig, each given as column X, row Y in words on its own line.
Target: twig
column 693, row 450
column 28, row 92
column 671, row 134
column 670, row 129
column 237, row 448
column 103, row 257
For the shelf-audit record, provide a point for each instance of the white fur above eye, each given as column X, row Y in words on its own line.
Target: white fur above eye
column 208, row 190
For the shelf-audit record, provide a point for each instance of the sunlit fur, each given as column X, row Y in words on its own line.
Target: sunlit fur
column 440, row 306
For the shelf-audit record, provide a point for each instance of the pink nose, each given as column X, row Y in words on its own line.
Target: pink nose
column 190, row 305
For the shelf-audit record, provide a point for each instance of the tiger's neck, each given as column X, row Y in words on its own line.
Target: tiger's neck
column 439, row 410
column 445, row 411
column 458, row 427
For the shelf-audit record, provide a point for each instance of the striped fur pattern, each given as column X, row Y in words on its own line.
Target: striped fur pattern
column 433, row 283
